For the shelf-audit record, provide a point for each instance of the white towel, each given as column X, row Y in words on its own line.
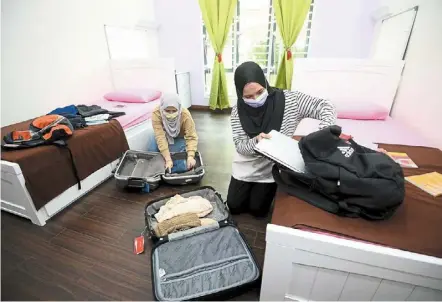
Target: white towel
column 97, row 117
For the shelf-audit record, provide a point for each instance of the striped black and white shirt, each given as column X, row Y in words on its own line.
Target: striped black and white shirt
column 251, row 167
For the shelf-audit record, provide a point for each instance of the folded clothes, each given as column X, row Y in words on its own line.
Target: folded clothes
column 98, row 117
column 71, row 109
column 192, row 172
column 179, row 166
column 97, row 122
column 179, row 205
column 177, row 223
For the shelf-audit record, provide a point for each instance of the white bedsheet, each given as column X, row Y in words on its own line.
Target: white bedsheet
column 389, row 131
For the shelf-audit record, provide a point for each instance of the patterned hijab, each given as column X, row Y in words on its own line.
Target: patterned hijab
column 172, row 126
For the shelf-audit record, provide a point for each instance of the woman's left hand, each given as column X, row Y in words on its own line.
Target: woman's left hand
column 191, row 162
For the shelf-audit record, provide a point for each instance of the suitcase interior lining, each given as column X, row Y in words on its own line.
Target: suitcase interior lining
column 141, row 165
column 218, row 213
column 209, row 262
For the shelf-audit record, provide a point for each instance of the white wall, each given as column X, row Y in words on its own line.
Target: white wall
column 342, row 28
column 419, row 98
column 54, row 52
column 180, row 37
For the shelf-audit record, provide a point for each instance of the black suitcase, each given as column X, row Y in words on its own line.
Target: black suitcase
column 187, row 178
column 203, row 263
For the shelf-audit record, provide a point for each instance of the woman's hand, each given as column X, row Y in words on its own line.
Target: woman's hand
column 262, row 136
column 191, row 162
column 169, row 166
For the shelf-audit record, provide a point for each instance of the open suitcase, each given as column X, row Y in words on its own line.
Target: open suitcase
column 203, row 263
column 145, row 170
column 140, row 169
column 187, row 178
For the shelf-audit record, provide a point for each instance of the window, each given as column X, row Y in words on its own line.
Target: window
column 254, row 36
column 130, row 43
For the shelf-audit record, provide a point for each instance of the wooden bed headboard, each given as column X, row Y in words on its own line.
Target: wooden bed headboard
column 156, row 74
column 349, row 80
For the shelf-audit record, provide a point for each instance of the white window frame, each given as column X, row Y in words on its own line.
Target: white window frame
column 273, row 37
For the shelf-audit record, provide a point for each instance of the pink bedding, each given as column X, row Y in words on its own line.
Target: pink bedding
column 136, row 113
column 389, row 131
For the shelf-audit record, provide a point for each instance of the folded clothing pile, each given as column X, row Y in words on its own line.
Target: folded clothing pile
column 181, row 213
column 81, row 116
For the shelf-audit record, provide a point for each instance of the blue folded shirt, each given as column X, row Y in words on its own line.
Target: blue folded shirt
column 179, row 166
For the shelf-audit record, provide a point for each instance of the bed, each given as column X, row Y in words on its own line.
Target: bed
column 388, row 131
column 154, row 74
column 308, row 257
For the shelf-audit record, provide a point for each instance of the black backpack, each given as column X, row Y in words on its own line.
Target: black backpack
column 344, row 178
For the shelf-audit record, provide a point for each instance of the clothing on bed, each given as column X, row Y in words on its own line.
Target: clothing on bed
column 415, row 227
column 70, row 109
column 249, row 166
column 71, row 113
column 48, row 169
column 90, row 110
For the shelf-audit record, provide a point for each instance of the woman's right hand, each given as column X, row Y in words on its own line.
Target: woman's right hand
column 169, row 166
column 262, row 136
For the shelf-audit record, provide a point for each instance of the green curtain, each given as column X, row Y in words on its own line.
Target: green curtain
column 290, row 17
column 218, row 16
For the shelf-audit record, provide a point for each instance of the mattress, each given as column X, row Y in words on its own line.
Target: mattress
column 411, row 228
column 48, row 170
column 389, row 131
column 136, row 113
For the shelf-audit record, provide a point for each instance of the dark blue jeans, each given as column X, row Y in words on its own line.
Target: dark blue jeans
column 179, row 145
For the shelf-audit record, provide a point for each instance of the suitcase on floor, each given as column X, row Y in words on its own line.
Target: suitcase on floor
column 140, row 170
column 187, row 178
column 203, row 263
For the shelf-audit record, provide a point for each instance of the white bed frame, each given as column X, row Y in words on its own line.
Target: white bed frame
column 15, row 198
column 349, row 80
column 307, row 266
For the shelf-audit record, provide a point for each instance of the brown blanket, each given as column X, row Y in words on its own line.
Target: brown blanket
column 48, row 170
column 416, row 226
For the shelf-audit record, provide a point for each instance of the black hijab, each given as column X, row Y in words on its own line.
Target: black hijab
column 265, row 118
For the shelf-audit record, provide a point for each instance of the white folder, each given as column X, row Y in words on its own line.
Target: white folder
column 282, row 149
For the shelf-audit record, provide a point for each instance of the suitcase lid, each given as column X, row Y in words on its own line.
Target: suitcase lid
column 140, row 165
column 190, row 265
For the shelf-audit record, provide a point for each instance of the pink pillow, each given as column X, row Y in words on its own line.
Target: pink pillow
column 361, row 111
column 133, row 95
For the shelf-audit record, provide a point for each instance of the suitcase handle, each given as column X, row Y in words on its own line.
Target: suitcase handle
column 135, row 182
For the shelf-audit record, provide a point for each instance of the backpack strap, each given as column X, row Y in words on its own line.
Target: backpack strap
column 303, row 191
column 63, row 144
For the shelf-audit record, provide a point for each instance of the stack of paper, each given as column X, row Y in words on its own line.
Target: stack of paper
column 402, row 159
column 430, row 182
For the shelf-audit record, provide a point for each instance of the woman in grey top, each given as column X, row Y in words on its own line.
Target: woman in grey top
column 259, row 110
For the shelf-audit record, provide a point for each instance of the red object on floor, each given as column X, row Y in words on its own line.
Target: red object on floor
column 139, row 245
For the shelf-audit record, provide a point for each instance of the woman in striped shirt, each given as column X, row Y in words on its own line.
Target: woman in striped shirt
column 259, row 110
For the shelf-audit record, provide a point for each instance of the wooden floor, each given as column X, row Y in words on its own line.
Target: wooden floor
column 86, row 251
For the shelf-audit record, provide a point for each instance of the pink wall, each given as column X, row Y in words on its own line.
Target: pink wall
column 342, row 28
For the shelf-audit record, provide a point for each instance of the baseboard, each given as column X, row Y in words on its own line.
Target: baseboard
column 207, row 109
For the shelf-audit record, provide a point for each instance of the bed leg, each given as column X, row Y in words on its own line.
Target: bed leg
column 38, row 220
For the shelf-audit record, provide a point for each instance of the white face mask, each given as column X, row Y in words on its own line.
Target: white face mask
column 259, row 101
